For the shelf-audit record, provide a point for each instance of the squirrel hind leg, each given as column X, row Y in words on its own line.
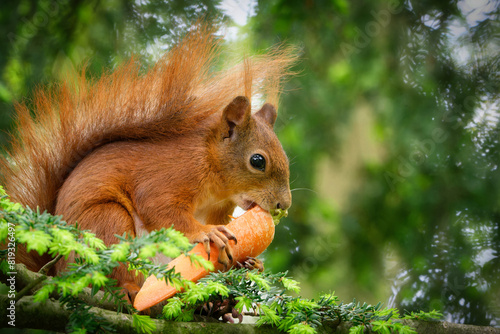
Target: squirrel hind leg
column 105, row 220
column 112, row 219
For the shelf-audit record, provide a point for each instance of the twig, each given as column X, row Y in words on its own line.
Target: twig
column 45, row 269
column 43, row 276
column 30, row 286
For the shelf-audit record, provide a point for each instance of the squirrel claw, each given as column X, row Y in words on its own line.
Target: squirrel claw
column 206, row 244
column 228, row 234
column 220, row 237
column 251, row 263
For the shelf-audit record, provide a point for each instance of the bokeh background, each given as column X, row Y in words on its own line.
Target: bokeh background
column 391, row 126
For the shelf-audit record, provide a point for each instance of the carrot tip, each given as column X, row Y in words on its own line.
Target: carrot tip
column 255, row 229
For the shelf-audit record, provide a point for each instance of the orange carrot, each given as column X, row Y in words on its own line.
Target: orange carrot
column 254, row 231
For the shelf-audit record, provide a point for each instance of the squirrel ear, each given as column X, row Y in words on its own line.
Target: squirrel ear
column 236, row 113
column 267, row 113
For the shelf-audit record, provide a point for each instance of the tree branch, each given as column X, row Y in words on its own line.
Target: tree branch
column 52, row 316
column 33, row 285
column 27, row 281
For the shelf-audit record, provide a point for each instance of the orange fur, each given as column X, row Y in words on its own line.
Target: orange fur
column 133, row 153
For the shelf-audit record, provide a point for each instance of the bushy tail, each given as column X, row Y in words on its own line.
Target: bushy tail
column 77, row 116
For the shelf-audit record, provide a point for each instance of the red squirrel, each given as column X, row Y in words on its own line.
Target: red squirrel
column 135, row 152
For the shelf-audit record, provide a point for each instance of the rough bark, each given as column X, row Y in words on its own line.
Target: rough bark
column 52, row 316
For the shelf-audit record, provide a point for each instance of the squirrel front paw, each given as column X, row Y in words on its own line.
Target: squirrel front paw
column 220, row 236
column 251, row 263
column 130, row 289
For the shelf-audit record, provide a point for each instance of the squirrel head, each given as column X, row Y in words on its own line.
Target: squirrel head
column 254, row 165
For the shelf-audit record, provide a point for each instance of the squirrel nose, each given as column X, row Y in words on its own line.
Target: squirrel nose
column 284, row 204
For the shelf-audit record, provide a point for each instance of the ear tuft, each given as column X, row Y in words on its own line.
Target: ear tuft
column 267, row 113
column 236, row 113
column 237, row 110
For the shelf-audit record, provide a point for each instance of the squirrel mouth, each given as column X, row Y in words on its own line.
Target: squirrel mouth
column 247, row 205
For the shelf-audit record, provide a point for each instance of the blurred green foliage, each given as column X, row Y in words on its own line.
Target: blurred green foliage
column 43, row 40
column 392, row 129
column 425, row 195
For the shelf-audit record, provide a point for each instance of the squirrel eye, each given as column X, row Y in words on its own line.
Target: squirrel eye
column 258, row 162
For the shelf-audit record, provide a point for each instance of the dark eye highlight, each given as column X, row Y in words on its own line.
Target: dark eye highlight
column 258, row 162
